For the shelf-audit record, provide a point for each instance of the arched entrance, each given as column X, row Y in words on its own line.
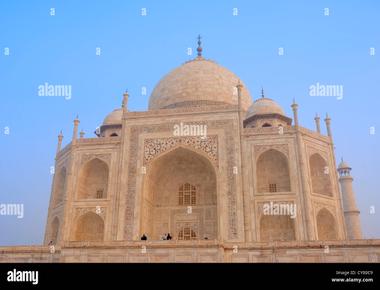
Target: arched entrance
column 273, row 172
column 320, row 177
column 93, row 180
column 180, row 197
column 60, row 187
column 89, row 227
column 326, row 225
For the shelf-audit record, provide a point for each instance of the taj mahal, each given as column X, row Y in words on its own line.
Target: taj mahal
column 230, row 177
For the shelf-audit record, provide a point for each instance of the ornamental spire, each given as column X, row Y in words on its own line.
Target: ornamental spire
column 124, row 104
column 199, row 49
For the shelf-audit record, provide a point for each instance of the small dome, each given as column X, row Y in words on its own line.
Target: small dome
column 344, row 165
column 264, row 106
column 198, row 82
column 115, row 117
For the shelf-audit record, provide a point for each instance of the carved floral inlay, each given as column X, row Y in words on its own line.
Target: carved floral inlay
column 156, row 146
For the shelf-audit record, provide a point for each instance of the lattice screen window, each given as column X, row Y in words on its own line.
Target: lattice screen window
column 272, row 187
column 187, row 194
column 186, row 234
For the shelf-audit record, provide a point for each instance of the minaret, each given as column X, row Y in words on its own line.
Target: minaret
column 239, row 87
column 124, row 104
column 59, row 145
column 351, row 212
column 75, row 130
column 328, row 125
column 317, row 120
column 295, row 112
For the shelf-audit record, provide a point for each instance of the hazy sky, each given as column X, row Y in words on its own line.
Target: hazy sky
column 136, row 51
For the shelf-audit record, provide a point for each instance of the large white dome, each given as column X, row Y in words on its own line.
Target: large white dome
column 195, row 83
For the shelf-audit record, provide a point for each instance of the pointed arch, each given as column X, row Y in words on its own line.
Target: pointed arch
column 202, row 152
column 326, row 225
column 89, row 227
column 93, row 180
column 60, row 187
column 176, row 180
column 272, row 171
column 320, row 175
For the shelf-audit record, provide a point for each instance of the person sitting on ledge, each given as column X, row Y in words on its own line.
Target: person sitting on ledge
column 168, row 237
column 144, row 237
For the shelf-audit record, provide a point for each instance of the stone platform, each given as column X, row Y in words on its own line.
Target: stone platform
column 196, row 251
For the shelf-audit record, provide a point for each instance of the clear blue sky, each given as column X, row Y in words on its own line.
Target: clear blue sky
column 137, row 51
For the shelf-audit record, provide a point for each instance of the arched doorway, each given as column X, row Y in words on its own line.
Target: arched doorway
column 272, row 172
column 60, row 187
column 320, row 175
column 93, row 180
column 326, row 225
column 89, row 227
column 180, row 191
